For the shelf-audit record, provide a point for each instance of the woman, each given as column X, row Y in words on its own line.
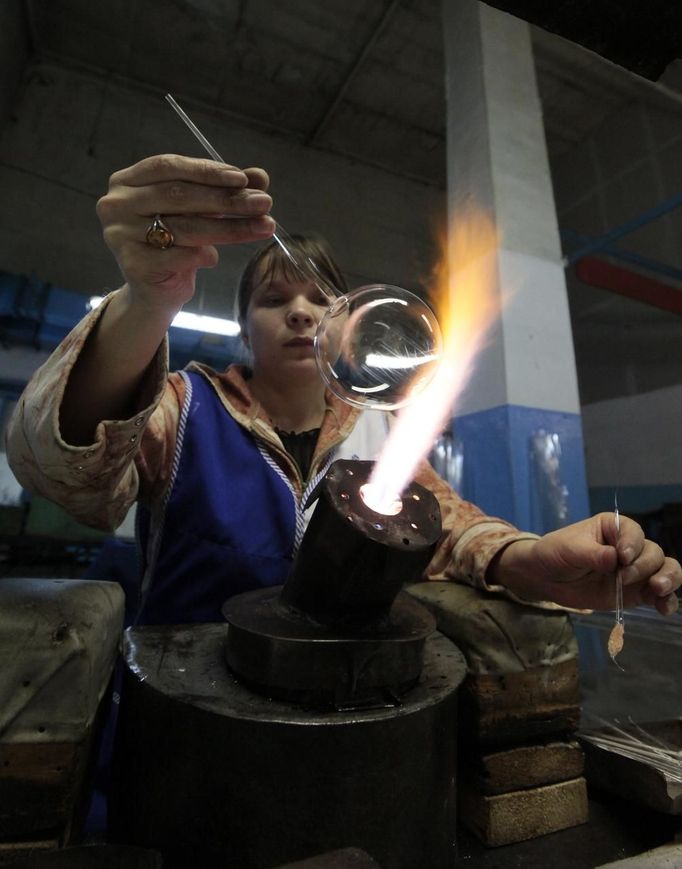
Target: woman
column 218, row 461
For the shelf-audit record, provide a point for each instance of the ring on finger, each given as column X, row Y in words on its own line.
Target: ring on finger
column 159, row 234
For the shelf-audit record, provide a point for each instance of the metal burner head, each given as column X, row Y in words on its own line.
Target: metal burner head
column 353, row 561
column 335, row 636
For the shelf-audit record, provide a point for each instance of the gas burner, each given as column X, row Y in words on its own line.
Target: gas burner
column 340, row 633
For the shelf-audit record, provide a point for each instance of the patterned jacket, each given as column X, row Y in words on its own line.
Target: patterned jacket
column 132, row 459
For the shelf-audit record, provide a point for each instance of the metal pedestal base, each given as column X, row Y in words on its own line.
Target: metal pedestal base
column 281, row 653
column 212, row 774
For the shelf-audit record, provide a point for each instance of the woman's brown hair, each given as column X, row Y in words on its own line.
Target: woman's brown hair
column 273, row 260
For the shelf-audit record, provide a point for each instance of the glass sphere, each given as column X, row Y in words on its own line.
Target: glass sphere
column 377, row 346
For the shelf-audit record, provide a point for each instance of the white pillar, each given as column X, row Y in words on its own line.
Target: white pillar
column 525, row 379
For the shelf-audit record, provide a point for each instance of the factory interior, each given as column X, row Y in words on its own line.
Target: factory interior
column 502, row 733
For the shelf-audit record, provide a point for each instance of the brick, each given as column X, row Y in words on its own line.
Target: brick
column 510, row 708
column 523, row 766
column 524, row 814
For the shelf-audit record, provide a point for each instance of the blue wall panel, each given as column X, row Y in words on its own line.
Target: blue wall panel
column 40, row 315
column 499, row 473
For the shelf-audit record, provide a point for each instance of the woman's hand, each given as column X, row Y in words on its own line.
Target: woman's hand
column 203, row 203
column 576, row 566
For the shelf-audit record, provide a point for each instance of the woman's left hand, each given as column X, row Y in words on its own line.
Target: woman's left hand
column 576, row 567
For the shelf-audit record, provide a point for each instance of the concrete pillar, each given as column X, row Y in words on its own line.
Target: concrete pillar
column 525, row 380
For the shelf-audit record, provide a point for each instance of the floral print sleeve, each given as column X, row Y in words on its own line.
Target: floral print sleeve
column 470, row 540
column 96, row 483
column 131, row 459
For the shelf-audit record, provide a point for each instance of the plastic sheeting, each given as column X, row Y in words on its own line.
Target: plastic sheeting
column 447, row 459
column 549, row 501
column 549, row 495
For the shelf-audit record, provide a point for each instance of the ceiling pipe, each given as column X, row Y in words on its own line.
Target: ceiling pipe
column 599, row 244
column 606, row 276
column 571, row 236
column 362, row 54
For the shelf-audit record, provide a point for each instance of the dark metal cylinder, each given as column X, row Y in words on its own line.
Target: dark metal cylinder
column 353, row 561
column 280, row 654
column 211, row 774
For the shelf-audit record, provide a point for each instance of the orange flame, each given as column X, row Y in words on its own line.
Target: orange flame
column 467, row 304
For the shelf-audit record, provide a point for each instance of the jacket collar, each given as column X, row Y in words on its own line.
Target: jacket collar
column 232, row 387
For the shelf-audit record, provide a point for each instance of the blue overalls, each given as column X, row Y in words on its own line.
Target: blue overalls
column 228, row 523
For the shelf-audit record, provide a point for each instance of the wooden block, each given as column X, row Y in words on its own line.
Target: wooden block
column 41, row 786
column 510, row 708
column 523, row 766
column 525, row 814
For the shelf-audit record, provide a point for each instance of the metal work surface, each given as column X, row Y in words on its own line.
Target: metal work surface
column 187, row 664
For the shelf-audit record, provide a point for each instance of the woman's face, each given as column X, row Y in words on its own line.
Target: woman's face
column 281, row 320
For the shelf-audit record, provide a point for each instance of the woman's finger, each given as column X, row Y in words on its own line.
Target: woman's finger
column 648, row 562
column 179, row 197
column 258, row 178
column 190, row 232
column 667, row 579
column 627, row 536
column 175, row 167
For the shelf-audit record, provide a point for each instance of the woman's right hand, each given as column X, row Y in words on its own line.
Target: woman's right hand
column 203, row 203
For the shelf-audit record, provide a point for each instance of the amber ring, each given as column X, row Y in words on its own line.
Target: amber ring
column 159, row 235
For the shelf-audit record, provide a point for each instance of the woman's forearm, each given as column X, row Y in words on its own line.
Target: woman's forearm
column 107, row 378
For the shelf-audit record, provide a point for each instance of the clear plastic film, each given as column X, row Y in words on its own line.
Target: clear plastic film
column 550, row 495
column 447, row 459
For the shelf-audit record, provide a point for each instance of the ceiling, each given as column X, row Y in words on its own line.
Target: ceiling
column 642, row 37
column 363, row 78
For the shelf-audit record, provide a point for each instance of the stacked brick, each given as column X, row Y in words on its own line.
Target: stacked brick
column 520, row 766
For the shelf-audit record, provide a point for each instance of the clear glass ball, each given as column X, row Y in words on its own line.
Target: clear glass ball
column 377, row 346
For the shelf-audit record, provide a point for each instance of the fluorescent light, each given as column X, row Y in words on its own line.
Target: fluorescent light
column 202, row 323
column 196, row 322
